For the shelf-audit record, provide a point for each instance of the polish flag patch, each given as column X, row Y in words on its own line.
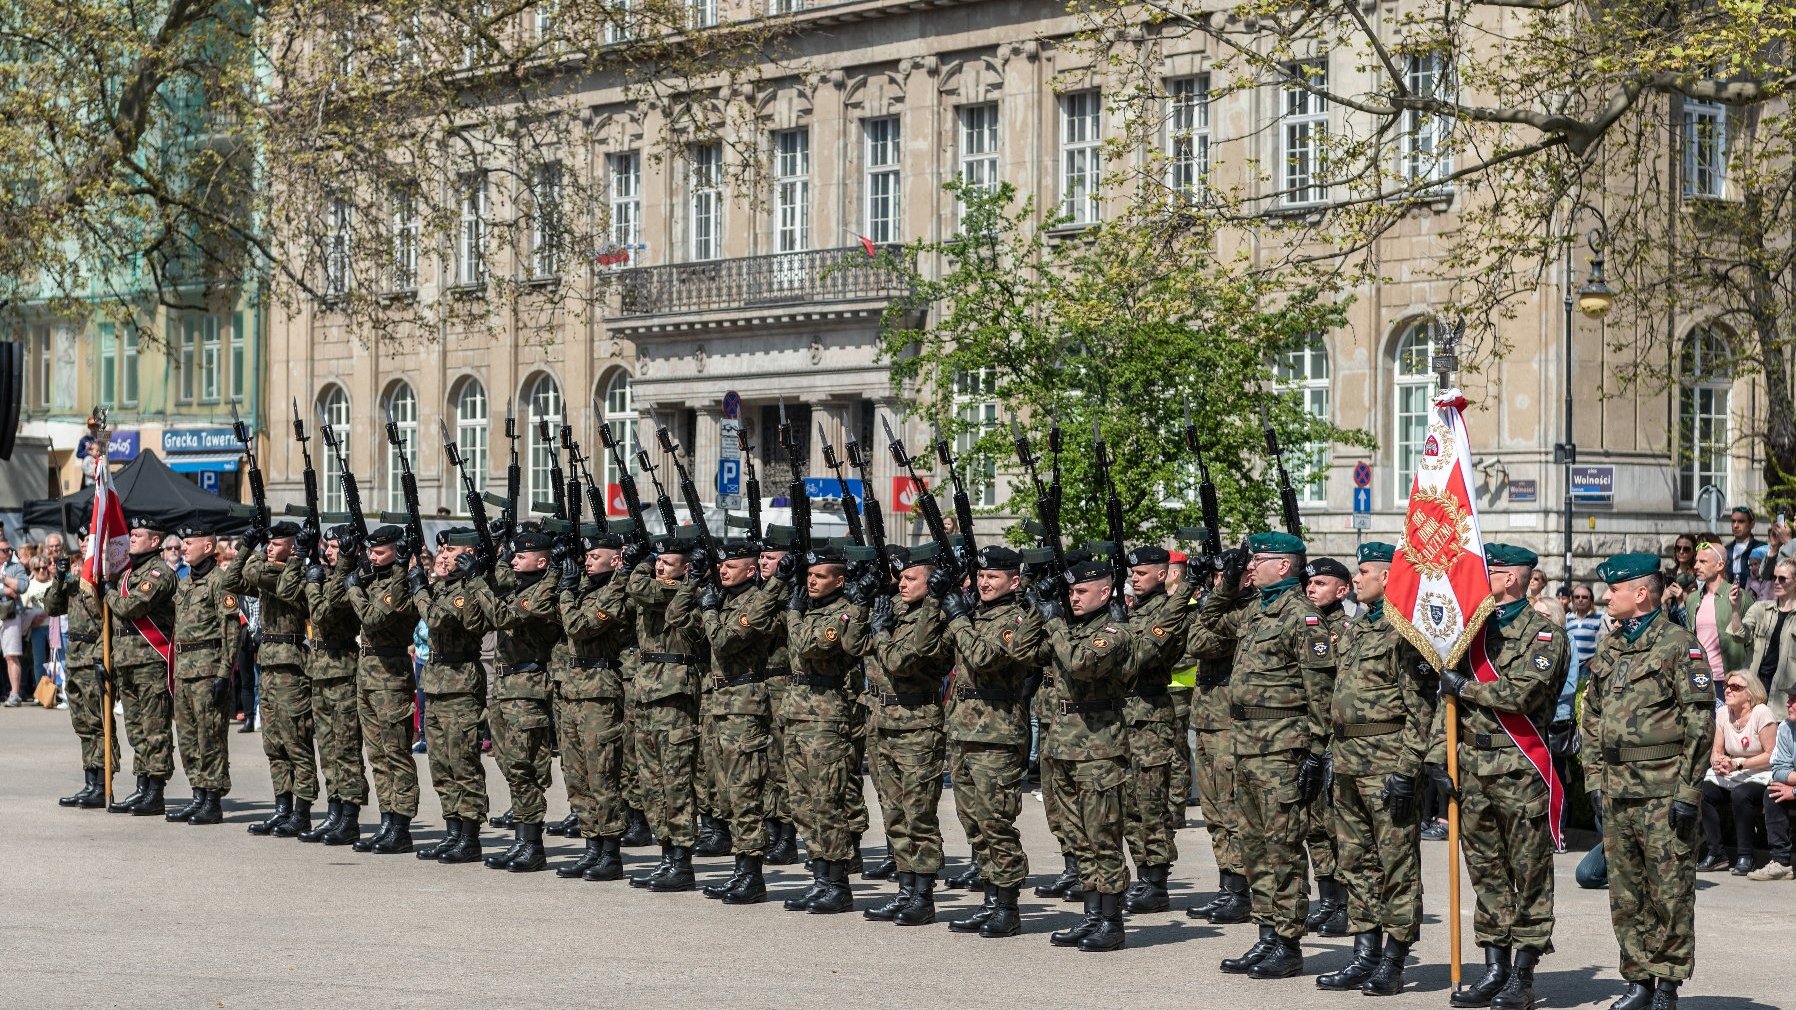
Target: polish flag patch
column 1543, row 636
column 1696, row 654
column 1312, row 620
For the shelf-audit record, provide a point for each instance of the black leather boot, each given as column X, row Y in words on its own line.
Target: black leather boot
column 595, row 847
column 1387, row 978
column 1331, row 898
column 1496, row 975
column 971, row 923
column 784, row 850
column 1071, row 936
column 1108, row 935
column 283, row 806
column 1639, row 996
column 504, row 820
column 332, row 817
column 1665, row 995
column 751, row 886
column 297, row 822
column 636, row 830
column 530, row 856
column 186, row 810
column 151, row 803
column 83, row 797
column 838, row 895
column 966, row 879
column 380, row 834
column 567, row 827
column 661, row 868
column 920, row 910
column 1152, row 897
column 889, row 911
column 96, row 798
column 886, row 870
column 1237, row 903
column 400, row 838
column 1068, row 879
column 349, row 826
column 719, row 888
column 497, row 860
column 802, row 902
column 679, row 875
column 1203, row 911
column 1282, row 961
column 211, row 809
column 610, row 865
column 713, row 837
column 451, row 830
column 1254, row 954
column 1368, row 948
column 1518, row 992
column 1004, row 919
column 123, row 806
column 467, row 844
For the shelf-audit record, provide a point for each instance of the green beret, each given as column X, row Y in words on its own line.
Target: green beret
column 1376, row 550
column 777, row 536
column 1628, row 567
column 922, row 554
column 1274, row 542
column 1510, row 556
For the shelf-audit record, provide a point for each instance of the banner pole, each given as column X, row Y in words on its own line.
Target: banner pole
column 106, row 688
column 1453, row 922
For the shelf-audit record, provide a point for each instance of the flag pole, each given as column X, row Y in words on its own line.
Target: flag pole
column 1446, row 362
column 96, row 448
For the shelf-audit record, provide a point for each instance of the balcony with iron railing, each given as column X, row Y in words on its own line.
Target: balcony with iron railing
column 759, row 283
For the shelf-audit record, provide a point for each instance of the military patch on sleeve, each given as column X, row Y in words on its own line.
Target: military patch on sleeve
column 743, row 620
column 1007, row 635
column 460, row 602
column 1100, row 643
column 230, row 601
column 1542, row 661
column 829, row 633
column 1543, row 636
column 524, row 604
column 1699, row 671
column 1159, row 632
column 1311, row 620
column 603, row 616
column 1319, row 648
column 387, row 599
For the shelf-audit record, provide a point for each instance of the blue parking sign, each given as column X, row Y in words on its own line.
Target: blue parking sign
column 729, row 476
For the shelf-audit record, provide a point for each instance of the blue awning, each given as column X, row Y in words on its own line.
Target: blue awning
column 182, row 463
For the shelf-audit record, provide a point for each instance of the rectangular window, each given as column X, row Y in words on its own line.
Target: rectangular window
column 44, row 358
column 1703, row 438
column 1705, row 149
column 545, row 222
column 187, row 340
column 704, row 13
column 707, row 201
column 239, row 340
column 1424, row 151
column 1081, row 156
column 979, row 145
column 1303, row 372
column 545, row 20
column 476, row 49
column 1187, row 134
column 787, row 6
column 470, row 253
column 976, row 406
column 791, row 190
column 1304, row 123
column 626, row 203
column 336, row 248
column 883, row 148
column 620, row 25
column 128, row 369
column 209, row 357
column 108, row 364
column 405, row 239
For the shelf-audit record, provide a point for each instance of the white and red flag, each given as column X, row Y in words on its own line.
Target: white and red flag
column 108, row 548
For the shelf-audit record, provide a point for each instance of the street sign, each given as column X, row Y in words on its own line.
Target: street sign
column 729, row 476
column 732, row 404
column 831, row 489
column 729, row 440
column 1593, row 485
column 729, row 501
column 1362, row 474
column 1362, row 500
column 1524, row 490
column 1361, row 521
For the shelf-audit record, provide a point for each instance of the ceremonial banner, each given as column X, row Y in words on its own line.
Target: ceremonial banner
column 108, row 551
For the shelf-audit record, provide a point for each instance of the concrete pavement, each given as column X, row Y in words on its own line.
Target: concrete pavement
column 99, row 910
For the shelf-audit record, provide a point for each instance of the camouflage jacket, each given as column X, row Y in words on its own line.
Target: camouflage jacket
column 1091, row 658
column 1530, row 656
column 1283, row 675
column 281, row 590
column 996, row 648
column 388, row 617
column 670, row 657
column 738, row 635
column 771, row 596
column 205, row 625
column 66, row 595
column 825, row 676
column 529, row 625
column 904, row 665
column 1383, row 709
column 456, row 624
column 1649, row 714
column 334, row 623
column 599, row 628
column 1157, row 628
column 147, row 590
column 1211, row 635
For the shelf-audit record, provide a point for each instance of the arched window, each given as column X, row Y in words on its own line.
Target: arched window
column 402, row 408
column 542, row 399
column 1303, row 371
column 470, row 435
column 619, row 412
column 333, row 407
column 1414, row 399
column 1704, row 382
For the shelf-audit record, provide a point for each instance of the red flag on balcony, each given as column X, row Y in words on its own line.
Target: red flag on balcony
column 867, row 244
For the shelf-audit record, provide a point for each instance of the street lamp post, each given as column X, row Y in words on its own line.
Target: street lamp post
column 1594, row 299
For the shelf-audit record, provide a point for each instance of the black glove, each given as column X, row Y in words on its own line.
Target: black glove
column 62, row 564
column 957, row 605
column 800, row 600
column 506, row 553
column 628, row 557
column 1443, row 783
column 786, row 567
column 353, row 579
column 711, row 598
column 466, row 566
column 1048, row 607
column 1200, row 571
column 307, row 539
column 699, row 565
column 862, row 591
column 1232, row 563
column 1400, row 797
column 1452, row 682
column 1595, row 796
column 557, row 552
column 254, row 537
column 496, row 529
column 942, row 581
column 221, row 691
column 1683, row 817
column 417, row 578
column 315, row 574
column 1119, row 611
column 570, row 575
column 885, row 614
column 1310, row 769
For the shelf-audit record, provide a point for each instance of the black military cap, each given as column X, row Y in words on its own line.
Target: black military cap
column 341, row 531
column 1001, row 559
column 194, row 527
column 1149, row 554
column 388, row 534
column 144, row 521
column 826, row 554
column 735, row 549
column 594, row 541
column 532, row 541
column 1327, row 566
column 286, row 529
column 664, row 545
column 1087, row 571
column 444, row 535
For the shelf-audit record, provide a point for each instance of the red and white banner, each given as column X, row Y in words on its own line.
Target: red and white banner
column 108, row 548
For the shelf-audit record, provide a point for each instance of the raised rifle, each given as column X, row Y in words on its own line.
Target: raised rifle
column 352, row 493
column 850, row 509
column 488, row 551
column 752, row 485
column 1113, row 514
column 1044, row 504
column 311, row 485
column 1206, row 492
column 932, row 513
column 689, row 491
column 626, row 485
column 582, row 467
column 1287, row 495
column 546, row 437
column 571, row 497
column 795, row 491
column 408, row 488
column 876, row 520
column 963, row 505
column 514, row 479
column 663, row 504
column 257, row 493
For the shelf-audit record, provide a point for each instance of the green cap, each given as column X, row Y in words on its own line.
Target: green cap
column 555, row 525
column 1510, row 556
column 923, row 554
column 590, row 530
column 777, row 536
column 297, row 510
column 855, row 552
column 620, row 526
column 465, row 539
column 1274, row 542
column 1376, row 550
column 1191, row 534
column 1627, row 567
column 1037, row 555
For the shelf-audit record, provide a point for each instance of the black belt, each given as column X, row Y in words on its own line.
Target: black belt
column 203, row 643
column 520, row 668
column 910, row 699
column 81, row 636
column 1212, row 680
column 1262, row 712
column 778, row 671
column 720, row 681
column 820, row 683
column 268, row 639
column 1361, row 730
column 1644, row 752
column 985, row 694
column 667, row 657
column 594, row 663
column 384, row 651
column 1088, row 707
column 452, row 658
column 335, row 648
column 1152, row 691
column 1490, row 741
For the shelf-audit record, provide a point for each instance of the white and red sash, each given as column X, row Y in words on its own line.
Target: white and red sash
column 152, row 634
column 1527, row 736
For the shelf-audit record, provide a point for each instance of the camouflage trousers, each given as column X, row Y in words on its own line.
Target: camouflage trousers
column 201, row 730
column 738, row 750
column 285, row 694
column 1180, row 785
column 592, row 752
column 820, row 772
column 1652, row 889
column 149, row 714
column 667, row 762
column 1092, row 793
column 1216, row 790
column 1319, row 840
column 1380, row 860
column 386, row 716
column 1509, row 856
column 631, row 774
column 87, row 715
column 1153, row 756
column 858, row 816
column 907, row 776
column 988, row 796
column 452, row 741
column 521, row 748
column 338, row 727
column 1272, row 825
column 704, row 768
column 1053, row 805
column 774, row 796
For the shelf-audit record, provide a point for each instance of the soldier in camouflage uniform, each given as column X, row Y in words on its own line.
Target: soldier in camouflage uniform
column 670, row 657
column 1648, row 729
column 589, row 693
column 205, row 646
column 82, row 681
column 1181, row 790
column 1210, row 639
column 1066, row 885
column 385, row 696
column 454, row 686
column 144, row 591
column 820, row 711
column 1155, row 734
column 1383, row 710
column 996, row 643
column 906, row 654
column 331, row 666
column 275, row 576
column 1326, row 584
column 1503, row 799
column 784, row 848
column 1087, row 740
column 1279, row 708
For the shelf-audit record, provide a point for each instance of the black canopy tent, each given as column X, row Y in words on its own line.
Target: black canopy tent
column 148, row 487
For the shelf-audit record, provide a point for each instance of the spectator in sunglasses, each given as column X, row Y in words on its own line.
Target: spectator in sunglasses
column 1769, row 632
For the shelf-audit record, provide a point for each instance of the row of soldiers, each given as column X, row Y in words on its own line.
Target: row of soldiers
column 725, row 700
